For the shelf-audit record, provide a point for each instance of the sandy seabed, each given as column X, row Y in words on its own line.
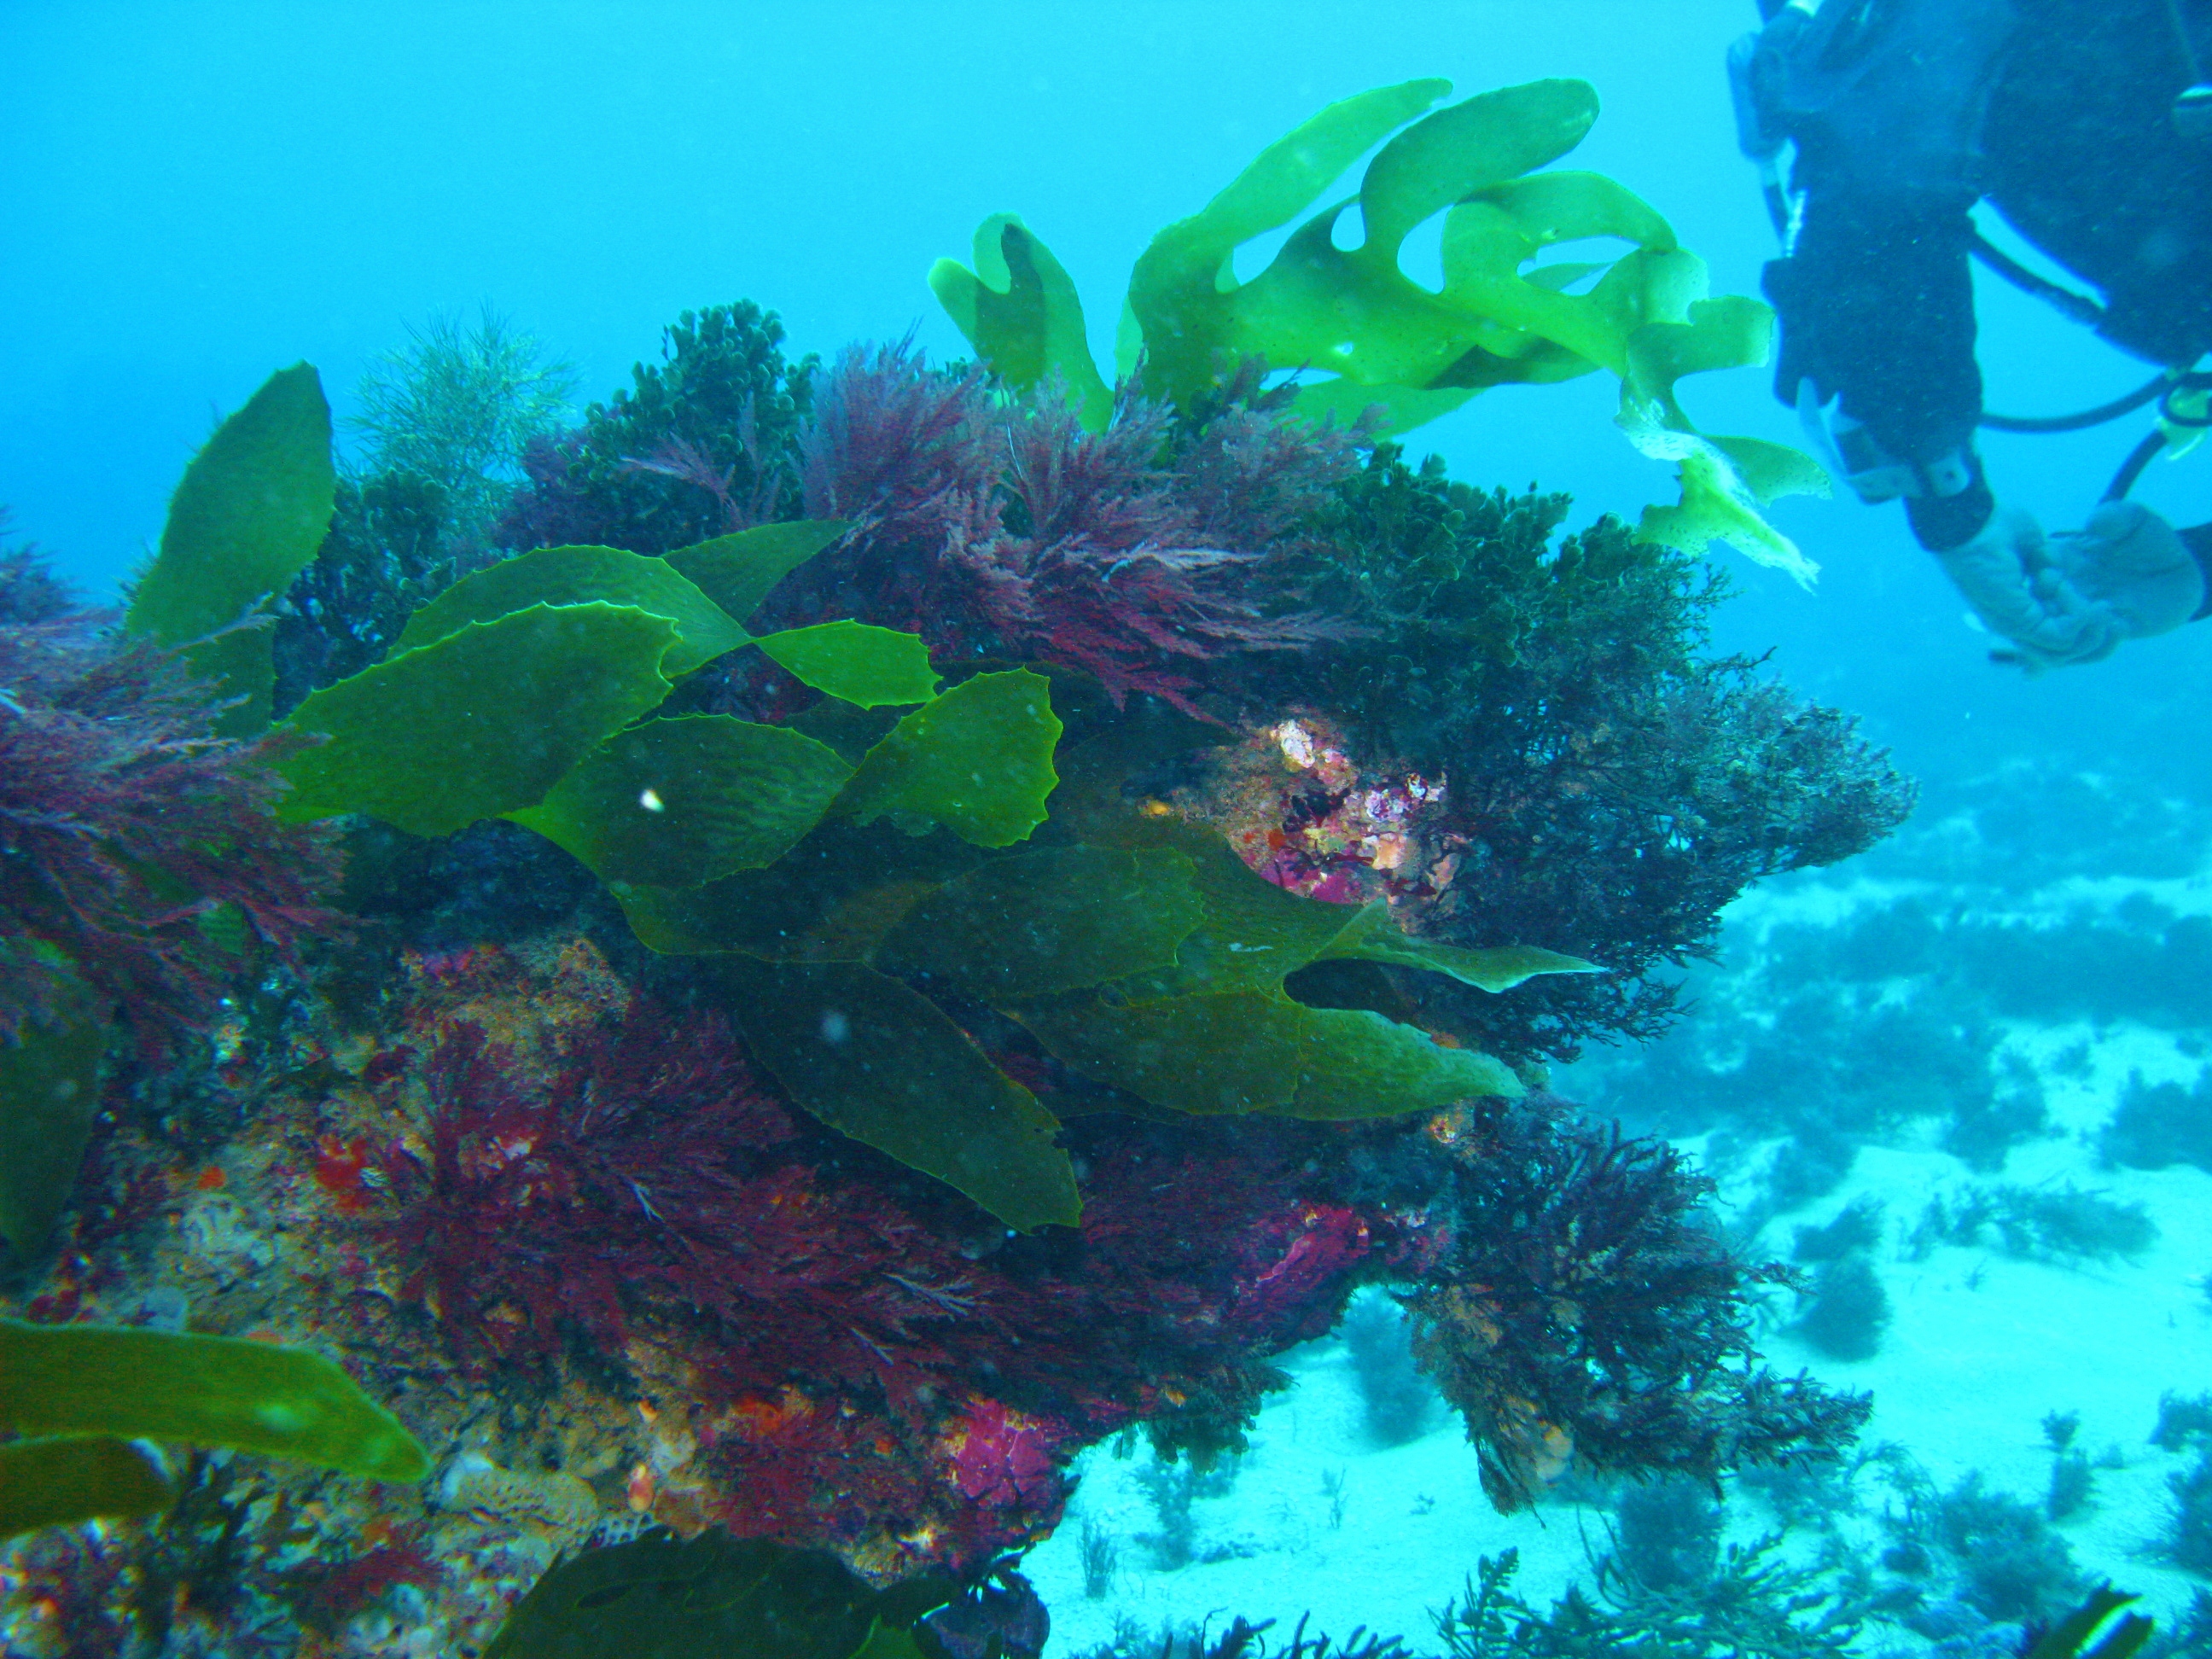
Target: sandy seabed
column 1981, row 1348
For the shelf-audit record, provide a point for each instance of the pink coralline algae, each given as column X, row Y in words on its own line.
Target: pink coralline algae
column 1001, row 1457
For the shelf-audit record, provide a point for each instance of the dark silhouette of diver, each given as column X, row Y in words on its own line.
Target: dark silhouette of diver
column 2088, row 124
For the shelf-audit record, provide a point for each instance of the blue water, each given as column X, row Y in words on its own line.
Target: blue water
column 193, row 194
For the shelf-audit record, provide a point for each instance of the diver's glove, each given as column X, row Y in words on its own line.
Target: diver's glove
column 2134, row 564
column 2018, row 586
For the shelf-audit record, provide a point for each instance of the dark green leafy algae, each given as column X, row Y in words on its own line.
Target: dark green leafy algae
column 880, row 1062
column 1057, row 919
column 49, row 1095
column 582, row 575
column 661, row 1598
column 247, row 519
column 738, row 571
column 703, row 794
column 430, row 740
column 57, row 1480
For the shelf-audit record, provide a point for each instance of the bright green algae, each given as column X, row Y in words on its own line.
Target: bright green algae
column 868, row 666
column 1390, row 346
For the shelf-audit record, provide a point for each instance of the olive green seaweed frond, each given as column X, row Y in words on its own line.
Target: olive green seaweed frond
column 86, row 1394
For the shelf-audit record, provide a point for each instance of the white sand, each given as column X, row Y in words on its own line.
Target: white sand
column 1981, row 1348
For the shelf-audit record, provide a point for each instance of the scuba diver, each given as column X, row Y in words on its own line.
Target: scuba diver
column 2088, row 124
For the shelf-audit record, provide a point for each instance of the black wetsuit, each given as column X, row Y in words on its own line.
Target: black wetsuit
column 1906, row 112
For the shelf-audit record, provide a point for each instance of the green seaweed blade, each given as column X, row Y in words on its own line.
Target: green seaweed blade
column 1370, row 935
column 832, row 898
column 977, row 759
column 59, row 1480
column 858, row 663
column 1484, row 140
column 738, row 571
column 1176, row 291
column 49, row 1093
column 877, row 1061
column 1256, row 934
column 681, row 802
column 1041, row 923
column 1020, row 310
column 581, row 575
column 252, row 508
column 1241, row 1052
column 208, row 1390
column 484, row 722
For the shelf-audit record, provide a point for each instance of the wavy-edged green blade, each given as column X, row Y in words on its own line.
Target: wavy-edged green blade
column 251, row 510
column 1180, row 288
column 59, row 1480
column 1715, row 505
column 1041, row 923
column 680, row 802
column 977, row 759
column 738, row 571
column 1286, row 177
column 208, row 1390
column 482, row 722
column 1241, row 1052
column 874, row 667
column 582, row 575
column 878, row 1061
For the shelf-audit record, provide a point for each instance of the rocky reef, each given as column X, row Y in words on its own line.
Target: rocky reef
column 911, row 921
